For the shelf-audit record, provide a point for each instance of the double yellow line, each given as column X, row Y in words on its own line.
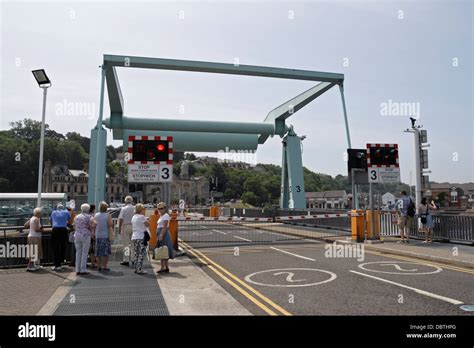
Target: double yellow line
column 260, row 300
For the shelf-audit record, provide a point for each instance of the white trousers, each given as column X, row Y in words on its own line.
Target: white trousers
column 82, row 244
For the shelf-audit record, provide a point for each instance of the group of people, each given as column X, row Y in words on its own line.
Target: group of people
column 93, row 234
column 407, row 210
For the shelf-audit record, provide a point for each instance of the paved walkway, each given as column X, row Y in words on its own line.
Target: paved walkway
column 25, row 293
column 186, row 290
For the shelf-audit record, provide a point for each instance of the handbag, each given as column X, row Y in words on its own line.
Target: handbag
column 71, row 237
column 161, row 253
column 146, row 238
column 424, row 217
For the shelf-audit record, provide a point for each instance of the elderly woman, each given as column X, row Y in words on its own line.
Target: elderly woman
column 140, row 224
column 34, row 241
column 103, row 245
column 164, row 238
column 84, row 226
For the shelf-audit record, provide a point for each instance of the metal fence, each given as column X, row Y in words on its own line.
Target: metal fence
column 234, row 233
column 447, row 228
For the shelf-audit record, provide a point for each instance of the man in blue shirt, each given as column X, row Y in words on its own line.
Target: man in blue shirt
column 59, row 220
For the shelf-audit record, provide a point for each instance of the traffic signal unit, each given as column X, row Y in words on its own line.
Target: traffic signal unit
column 150, row 150
column 382, row 155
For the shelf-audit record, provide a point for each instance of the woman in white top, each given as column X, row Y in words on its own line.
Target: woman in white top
column 164, row 238
column 34, row 241
column 140, row 224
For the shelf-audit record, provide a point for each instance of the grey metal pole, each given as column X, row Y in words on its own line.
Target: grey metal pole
column 418, row 173
column 371, row 198
column 40, row 167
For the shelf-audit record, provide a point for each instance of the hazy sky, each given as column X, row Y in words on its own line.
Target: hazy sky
column 418, row 52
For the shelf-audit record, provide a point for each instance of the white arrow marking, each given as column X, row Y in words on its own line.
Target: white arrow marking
column 398, row 267
column 289, row 277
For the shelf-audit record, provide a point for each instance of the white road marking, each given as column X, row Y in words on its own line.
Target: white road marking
column 219, row 232
column 287, row 252
column 247, row 240
column 331, row 278
column 401, row 271
column 419, row 291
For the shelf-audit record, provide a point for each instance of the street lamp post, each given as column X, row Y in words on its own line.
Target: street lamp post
column 45, row 83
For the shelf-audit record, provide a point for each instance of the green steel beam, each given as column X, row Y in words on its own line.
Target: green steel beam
column 202, row 142
column 287, row 109
column 220, row 68
column 190, row 125
column 113, row 88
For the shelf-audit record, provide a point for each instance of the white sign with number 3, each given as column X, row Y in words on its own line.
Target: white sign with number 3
column 166, row 173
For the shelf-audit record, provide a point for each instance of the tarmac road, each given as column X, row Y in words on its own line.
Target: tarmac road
column 302, row 278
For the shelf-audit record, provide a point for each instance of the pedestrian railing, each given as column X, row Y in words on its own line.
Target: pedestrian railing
column 447, row 228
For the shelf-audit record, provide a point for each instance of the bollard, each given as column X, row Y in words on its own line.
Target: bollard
column 368, row 217
column 357, row 226
column 173, row 228
column 214, row 211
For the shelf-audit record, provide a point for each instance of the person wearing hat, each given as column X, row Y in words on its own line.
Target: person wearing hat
column 164, row 237
column 59, row 235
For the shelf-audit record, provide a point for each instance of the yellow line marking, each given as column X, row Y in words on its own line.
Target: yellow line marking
column 238, row 288
column 408, row 258
column 241, row 282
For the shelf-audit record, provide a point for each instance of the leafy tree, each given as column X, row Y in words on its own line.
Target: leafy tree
column 249, row 197
column 83, row 141
column 30, row 130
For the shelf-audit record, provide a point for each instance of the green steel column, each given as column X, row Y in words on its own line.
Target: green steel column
column 97, row 153
column 284, row 194
column 294, row 168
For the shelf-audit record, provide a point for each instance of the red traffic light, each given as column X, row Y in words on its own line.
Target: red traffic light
column 160, row 147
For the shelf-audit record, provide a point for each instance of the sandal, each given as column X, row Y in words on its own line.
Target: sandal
column 161, row 271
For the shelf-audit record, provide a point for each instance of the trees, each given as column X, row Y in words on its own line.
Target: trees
column 19, row 154
column 249, row 198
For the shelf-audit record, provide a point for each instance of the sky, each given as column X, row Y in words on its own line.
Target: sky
column 392, row 53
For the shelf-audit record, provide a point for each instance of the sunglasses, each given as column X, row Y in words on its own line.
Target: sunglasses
column 161, row 208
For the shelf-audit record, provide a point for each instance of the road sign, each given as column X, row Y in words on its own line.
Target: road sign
column 382, row 163
column 149, row 173
column 150, row 159
column 181, row 204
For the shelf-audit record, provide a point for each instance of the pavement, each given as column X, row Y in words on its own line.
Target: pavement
column 186, row 290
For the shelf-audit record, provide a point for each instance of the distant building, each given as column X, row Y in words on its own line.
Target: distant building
column 193, row 190
column 327, row 199
column 453, row 194
column 74, row 183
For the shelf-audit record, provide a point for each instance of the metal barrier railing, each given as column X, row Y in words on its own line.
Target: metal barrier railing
column 448, row 228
